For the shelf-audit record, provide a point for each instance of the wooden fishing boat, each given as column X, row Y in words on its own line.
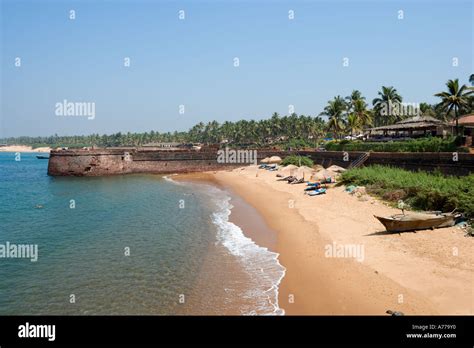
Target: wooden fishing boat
column 416, row 221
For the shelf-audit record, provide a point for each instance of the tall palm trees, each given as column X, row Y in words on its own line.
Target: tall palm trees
column 275, row 122
column 353, row 123
column 363, row 115
column 344, row 114
column 387, row 96
column 211, row 132
column 455, row 99
column 195, row 133
column 358, row 115
column 351, row 99
column 335, row 111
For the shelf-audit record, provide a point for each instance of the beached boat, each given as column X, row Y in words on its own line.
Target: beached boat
column 317, row 192
column 416, row 221
column 312, row 188
column 42, row 157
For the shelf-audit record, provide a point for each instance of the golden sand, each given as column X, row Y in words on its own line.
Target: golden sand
column 427, row 272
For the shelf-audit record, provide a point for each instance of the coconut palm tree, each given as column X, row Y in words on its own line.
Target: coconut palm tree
column 362, row 113
column 195, row 133
column 353, row 123
column 351, row 99
column 335, row 111
column 276, row 125
column 387, row 96
column 455, row 99
column 430, row 110
column 316, row 128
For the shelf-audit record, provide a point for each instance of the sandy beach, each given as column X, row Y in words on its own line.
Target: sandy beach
column 427, row 272
column 23, row 148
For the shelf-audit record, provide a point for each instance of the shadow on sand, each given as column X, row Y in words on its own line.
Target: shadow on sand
column 383, row 233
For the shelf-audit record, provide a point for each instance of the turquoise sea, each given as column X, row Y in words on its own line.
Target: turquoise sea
column 185, row 257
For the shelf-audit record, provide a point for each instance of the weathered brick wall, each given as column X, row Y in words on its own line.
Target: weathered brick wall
column 428, row 161
column 116, row 161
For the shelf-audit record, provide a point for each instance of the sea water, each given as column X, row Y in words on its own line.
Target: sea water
column 135, row 244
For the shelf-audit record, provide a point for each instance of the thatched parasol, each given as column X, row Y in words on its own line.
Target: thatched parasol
column 288, row 170
column 323, row 174
column 336, row 169
column 274, row 159
column 304, row 172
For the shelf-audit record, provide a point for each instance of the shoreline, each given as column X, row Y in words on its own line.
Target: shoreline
column 408, row 272
column 23, row 148
column 247, row 219
column 242, row 213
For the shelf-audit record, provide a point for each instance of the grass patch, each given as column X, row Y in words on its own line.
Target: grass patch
column 421, row 190
column 297, row 161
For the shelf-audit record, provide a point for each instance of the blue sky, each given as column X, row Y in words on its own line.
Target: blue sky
column 190, row 62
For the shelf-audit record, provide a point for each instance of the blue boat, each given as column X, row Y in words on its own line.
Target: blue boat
column 317, row 192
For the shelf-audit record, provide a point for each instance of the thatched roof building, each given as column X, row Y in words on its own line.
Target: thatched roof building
column 467, row 124
column 418, row 125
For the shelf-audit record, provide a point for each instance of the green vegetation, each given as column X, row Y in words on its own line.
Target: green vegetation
column 456, row 98
column 295, row 131
column 297, row 161
column 298, row 144
column 335, row 111
column 386, row 95
column 429, row 144
column 421, row 190
column 349, row 115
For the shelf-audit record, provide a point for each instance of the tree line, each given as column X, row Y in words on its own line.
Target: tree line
column 344, row 115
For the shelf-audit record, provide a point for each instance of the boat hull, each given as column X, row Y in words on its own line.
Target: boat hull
column 398, row 225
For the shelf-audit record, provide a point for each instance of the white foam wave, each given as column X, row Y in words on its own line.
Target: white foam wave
column 260, row 263
column 167, row 178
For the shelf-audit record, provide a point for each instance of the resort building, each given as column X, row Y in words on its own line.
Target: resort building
column 466, row 123
column 413, row 127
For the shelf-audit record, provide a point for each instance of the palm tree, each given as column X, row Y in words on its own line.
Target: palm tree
column 275, row 125
column 227, row 131
column 335, row 111
column 362, row 113
column 353, row 123
column 317, row 129
column 211, row 132
column 387, row 96
column 351, row 99
column 429, row 110
column 455, row 99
